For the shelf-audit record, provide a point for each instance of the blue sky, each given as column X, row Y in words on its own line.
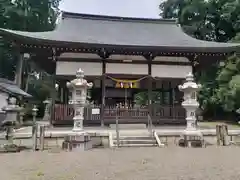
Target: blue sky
column 126, row 8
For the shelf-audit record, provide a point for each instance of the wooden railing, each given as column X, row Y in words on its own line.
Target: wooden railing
column 126, row 113
column 169, row 112
column 66, row 112
column 159, row 113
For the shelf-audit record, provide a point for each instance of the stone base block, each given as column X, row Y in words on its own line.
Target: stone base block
column 79, row 142
column 9, row 148
column 78, row 137
column 191, row 141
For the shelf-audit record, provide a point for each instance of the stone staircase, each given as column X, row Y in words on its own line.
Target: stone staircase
column 134, row 141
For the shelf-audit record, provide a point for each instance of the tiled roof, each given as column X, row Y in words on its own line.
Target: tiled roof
column 119, row 31
column 11, row 88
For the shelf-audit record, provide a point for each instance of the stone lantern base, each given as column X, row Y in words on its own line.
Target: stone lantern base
column 192, row 138
column 80, row 141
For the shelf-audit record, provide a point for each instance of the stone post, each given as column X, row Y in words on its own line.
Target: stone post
column 42, row 137
column 78, row 87
column 34, row 127
column 190, row 103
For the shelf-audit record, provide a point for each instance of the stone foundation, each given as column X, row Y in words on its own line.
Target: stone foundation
column 78, row 142
column 191, row 141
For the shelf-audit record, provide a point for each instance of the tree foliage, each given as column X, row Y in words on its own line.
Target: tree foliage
column 34, row 16
column 141, row 98
column 228, row 79
column 212, row 20
column 24, row 15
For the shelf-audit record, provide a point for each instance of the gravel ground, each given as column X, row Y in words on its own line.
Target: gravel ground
column 171, row 163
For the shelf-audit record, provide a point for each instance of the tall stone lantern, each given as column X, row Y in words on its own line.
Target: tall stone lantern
column 190, row 103
column 78, row 87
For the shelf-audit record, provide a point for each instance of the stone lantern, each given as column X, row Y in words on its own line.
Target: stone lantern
column 78, row 87
column 12, row 110
column 47, row 110
column 190, row 103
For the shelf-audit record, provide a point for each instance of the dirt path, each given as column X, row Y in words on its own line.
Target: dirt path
column 171, row 163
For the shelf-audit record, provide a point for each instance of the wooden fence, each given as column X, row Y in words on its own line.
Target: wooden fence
column 92, row 114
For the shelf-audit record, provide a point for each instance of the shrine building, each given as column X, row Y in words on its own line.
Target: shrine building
column 135, row 64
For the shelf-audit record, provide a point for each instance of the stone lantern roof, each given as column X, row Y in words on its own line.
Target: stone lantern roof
column 79, row 81
column 189, row 84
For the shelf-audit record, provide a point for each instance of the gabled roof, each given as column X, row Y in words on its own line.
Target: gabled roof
column 11, row 88
column 98, row 30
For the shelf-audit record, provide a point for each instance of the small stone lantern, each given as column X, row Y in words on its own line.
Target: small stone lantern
column 12, row 110
column 190, row 103
column 47, row 110
column 78, row 87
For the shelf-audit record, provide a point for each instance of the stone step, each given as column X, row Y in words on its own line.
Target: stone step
column 135, row 141
column 134, row 138
column 128, row 126
column 136, row 145
column 139, row 141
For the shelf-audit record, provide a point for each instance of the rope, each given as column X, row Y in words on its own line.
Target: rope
column 127, row 81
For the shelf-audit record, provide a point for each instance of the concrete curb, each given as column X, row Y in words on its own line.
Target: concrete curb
column 105, row 133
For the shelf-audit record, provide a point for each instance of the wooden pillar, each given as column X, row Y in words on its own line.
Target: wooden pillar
column 55, row 55
column 170, row 83
column 103, row 87
column 53, row 95
column 19, row 69
column 162, row 94
column 170, row 90
column 62, row 91
column 104, row 55
column 150, row 58
column 66, row 94
column 149, row 85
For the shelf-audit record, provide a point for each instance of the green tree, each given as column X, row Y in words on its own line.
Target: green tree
column 207, row 20
column 228, row 79
column 25, row 15
column 236, row 39
column 7, row 60
column 34, row 16
column 229, row 85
